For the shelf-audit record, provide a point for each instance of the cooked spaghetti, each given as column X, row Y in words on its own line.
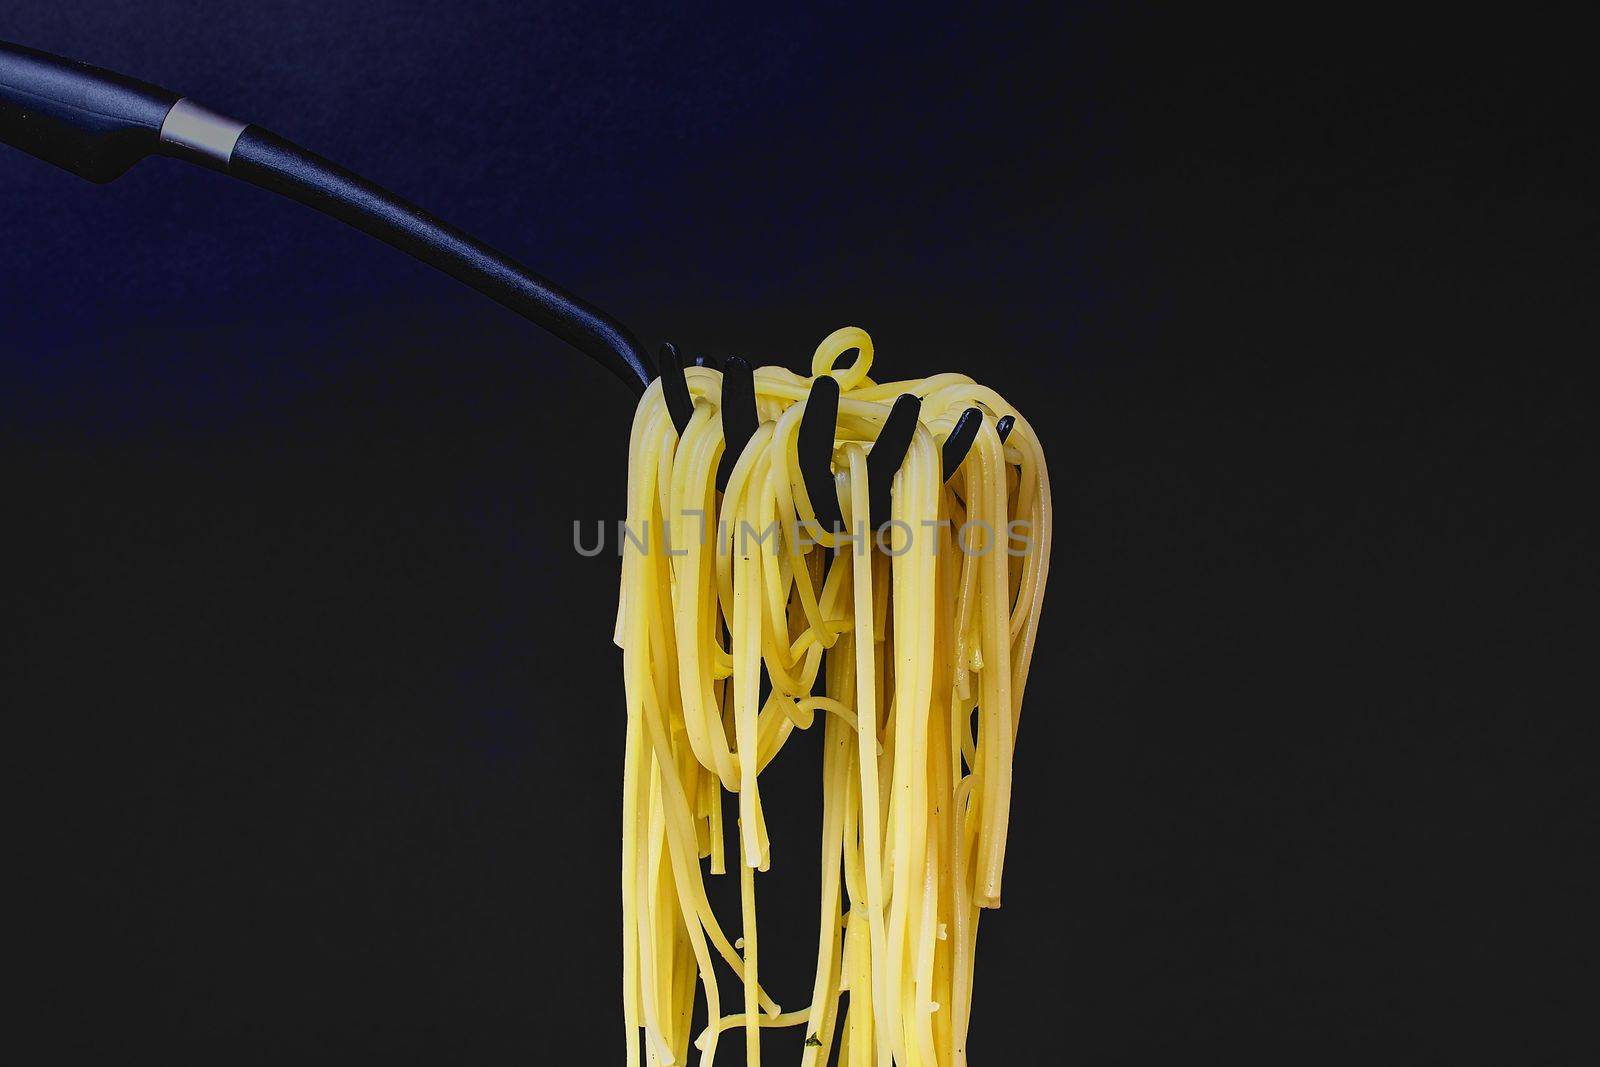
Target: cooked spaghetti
column 903, row 639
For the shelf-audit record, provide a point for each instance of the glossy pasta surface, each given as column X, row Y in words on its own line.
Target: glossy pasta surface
column 901, row 643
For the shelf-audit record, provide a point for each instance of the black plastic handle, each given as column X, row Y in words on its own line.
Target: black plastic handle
column 90, row 121
column 97, row 124
column 264, row 159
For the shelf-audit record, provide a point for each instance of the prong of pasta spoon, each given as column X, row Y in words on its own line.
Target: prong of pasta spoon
column 1003, row 427
column 739, row 419
column 959, row 443
column 814, row 447
column 675, row 388
column 889, row 451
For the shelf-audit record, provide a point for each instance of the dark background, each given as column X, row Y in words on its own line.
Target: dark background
column 315, row 720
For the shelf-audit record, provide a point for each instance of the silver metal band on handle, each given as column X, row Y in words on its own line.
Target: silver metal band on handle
column 201, row 130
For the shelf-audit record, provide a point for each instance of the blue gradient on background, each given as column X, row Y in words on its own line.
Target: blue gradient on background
column 834, row 164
